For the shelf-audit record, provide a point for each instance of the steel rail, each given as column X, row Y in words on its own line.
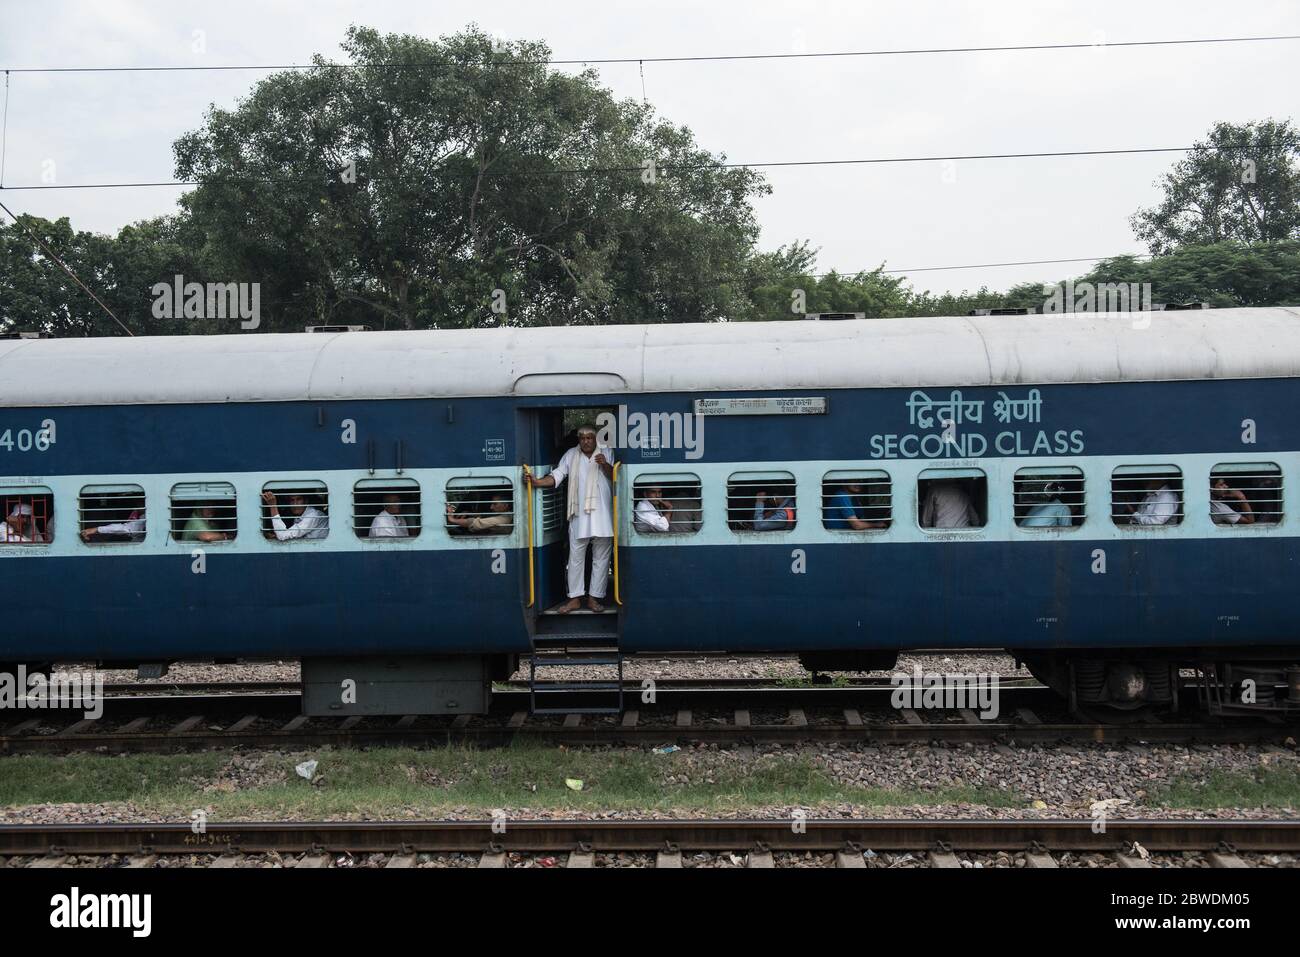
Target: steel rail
column 198, row 732
column 1160, row 836
column 219, row 688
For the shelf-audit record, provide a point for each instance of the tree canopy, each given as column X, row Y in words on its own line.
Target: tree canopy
column 477, row 168
column 1241, row 184
column 461, row 182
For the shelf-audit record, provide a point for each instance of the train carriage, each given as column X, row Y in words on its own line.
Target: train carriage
column 1089, row 410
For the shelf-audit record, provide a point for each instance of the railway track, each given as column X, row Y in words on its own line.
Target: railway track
column 661, row 843
column 126, row 689
column 684, row 712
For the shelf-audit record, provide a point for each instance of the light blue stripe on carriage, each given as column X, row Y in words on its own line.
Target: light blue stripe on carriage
column 1000, row 527
column 808, row 530
column 248, row 488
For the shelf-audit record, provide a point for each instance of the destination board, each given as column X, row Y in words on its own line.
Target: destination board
column 763, row 405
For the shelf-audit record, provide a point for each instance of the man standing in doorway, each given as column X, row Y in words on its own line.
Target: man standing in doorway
column 590, row 512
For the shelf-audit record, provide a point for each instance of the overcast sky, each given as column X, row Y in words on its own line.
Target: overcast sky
column 120, row 127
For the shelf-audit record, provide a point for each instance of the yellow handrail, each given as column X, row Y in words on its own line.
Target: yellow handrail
column 618, row 599
column 532, row 583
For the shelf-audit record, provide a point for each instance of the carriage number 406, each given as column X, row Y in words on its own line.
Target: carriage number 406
column 24, row 440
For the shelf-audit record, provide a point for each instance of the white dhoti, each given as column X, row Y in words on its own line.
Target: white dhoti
column 602, row 552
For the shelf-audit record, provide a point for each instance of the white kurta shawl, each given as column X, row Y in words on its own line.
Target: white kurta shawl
column 590, row 499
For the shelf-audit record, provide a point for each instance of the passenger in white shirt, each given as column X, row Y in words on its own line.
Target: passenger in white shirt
column 310, row 522
column 1158, row 507
column 17, row 526
column 948, row 506
column 389, row 523
column 653, row 514
column 133, row 527
column 1222, row 513
column 590, row 514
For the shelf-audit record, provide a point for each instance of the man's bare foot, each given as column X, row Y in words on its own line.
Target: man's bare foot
column 573, row 604
column 594, row 605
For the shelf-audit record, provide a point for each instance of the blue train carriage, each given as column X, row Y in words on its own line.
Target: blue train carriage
column 1101, row 494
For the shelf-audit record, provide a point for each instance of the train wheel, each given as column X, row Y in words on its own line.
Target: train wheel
column 1110, row 690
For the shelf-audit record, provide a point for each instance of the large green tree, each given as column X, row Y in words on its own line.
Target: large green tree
column 477, row 168
column 1241, row 183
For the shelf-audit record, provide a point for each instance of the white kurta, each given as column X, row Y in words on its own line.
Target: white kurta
column 312, row 523
column 1157, row 508
column 388, row 525
column 576, row 467
column 1222, row 512
column 132, row 526
column 649, row 518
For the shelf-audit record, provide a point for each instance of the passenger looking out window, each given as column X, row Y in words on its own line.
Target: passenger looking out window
column 653, row 513
column 132, row 528
column 201, row 525
column 1229, row 506
column 1158, row 507
column 20, row 528
column 1049, row 511
column 498, row 520
column 849, row 509
column 308, row 520
column 390, row 523
column 772, row 514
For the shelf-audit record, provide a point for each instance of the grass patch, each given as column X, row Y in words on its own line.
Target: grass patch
column 90, row 779
column 1262, row 787
column 403, row 783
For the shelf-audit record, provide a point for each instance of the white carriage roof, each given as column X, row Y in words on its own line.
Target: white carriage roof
column 679, row 357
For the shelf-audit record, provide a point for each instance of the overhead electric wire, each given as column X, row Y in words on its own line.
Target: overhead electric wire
column 666, row 167
column 704, row 58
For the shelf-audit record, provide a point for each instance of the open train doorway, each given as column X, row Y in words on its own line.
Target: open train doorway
column 551, row 432
column 573, row 625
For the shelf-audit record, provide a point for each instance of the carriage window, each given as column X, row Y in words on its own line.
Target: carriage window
column 856, row 501
column 761, row 502
column 667, row 503
column 27, row 517
column 1245, row 494
column 1049, row 497
column 952, row 498
column 295, row 510
column 480, row 506
column 203, row 512
column 110, row 514
column 1146, row 495
column 386, row 508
